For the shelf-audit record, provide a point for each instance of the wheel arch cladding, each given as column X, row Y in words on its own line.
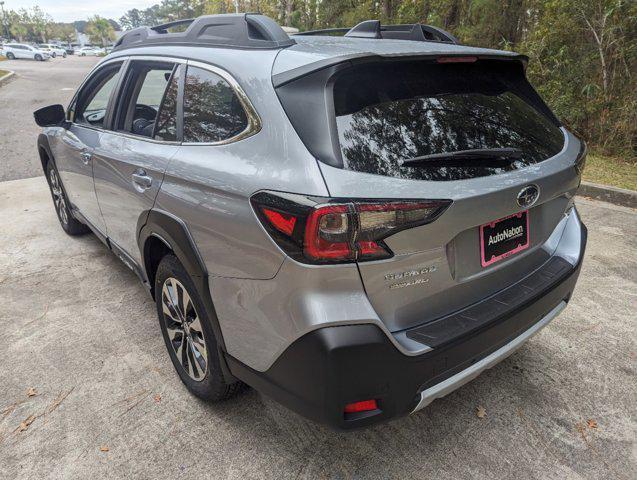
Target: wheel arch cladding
column 154, row 250
column 44, row 150
column 173, row 234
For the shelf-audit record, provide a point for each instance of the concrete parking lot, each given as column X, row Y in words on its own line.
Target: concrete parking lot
column 35, row 85
column 87, row 388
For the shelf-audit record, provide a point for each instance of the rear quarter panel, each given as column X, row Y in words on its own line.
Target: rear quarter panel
column 209, row 186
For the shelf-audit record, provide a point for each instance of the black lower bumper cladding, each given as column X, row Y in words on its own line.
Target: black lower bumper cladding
column 331, row 367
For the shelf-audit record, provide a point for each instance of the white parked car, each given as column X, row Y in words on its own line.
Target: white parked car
column 84, row 51
column 21, row 50
column 52, row 50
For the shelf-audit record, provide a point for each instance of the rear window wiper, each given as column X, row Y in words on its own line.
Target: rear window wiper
column 499, row 155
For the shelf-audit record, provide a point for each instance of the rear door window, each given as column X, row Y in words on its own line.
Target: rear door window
column 145, row 87
column 387, row 114
column 212, row 110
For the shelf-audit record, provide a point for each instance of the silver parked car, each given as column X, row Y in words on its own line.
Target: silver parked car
column 88, row 51
column 53, row 50
column 354, row 225
column 22, row 50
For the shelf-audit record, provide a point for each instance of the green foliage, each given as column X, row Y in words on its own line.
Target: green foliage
column 583, row 61
column 583, row 54
column 99, row 30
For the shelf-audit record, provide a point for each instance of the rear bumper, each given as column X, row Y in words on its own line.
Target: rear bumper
column 330, row 367
column 447, row 386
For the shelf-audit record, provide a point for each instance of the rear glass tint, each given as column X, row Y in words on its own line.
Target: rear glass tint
column 212, row 111
column 387, row 113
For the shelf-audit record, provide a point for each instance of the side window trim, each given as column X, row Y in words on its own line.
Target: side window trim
column 112, row 99
column 180, row 102
column 128, row 110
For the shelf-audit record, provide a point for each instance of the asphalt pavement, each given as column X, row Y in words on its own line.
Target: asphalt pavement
column 34, row 85
column 87, row 389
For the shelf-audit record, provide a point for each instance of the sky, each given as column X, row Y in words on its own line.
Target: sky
column 70, row 10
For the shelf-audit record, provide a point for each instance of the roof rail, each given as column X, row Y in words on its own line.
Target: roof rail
column 324, row 31
column 176, row 23
column 246, row 30
column 373, row 29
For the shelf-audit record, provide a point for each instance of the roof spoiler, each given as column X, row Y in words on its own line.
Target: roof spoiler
column 247, row 30
column 280, row 79
column 373, row 29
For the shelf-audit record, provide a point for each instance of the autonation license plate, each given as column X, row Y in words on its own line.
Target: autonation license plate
column 503, row 238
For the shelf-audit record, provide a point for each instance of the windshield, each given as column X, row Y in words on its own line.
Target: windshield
column 389, row 113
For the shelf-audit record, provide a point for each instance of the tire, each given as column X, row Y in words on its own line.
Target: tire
column 38, row 57
column 10, row 56
column 64, row 55
column 198, row 365
column 69, row 224
column 82, row 54
column 53, row 54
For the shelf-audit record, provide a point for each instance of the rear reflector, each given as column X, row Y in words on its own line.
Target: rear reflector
column 363, row 406
column 281, row 221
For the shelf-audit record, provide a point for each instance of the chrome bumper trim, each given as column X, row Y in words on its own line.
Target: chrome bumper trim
column 452, row 383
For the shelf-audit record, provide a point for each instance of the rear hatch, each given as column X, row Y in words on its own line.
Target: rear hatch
column 466, row 129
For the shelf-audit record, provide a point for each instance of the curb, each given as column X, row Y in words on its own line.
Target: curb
column 606, row 193
column 6, row 77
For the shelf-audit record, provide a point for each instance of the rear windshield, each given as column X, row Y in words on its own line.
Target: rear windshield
column 390, row 112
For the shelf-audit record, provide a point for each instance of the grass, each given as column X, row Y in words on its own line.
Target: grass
column 611, row 171
column 3, row 73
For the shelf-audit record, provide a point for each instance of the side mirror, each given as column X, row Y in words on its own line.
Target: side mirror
column 50, row 116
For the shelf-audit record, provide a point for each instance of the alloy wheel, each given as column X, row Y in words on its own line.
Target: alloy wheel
column 184, row 329
column 58, row 197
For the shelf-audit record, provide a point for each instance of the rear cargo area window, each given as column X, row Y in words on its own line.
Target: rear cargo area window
column 212, row 111
column 392, row 112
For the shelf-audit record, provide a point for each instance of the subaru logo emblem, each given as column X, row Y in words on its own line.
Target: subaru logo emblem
column 528, row 196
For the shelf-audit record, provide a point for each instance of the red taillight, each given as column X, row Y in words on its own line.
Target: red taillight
column 457, row 59
column 343, row 232
column 281, row 221
column 363, row 406
column 327, row 234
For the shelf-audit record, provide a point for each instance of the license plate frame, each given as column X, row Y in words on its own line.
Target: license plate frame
column 497, row 246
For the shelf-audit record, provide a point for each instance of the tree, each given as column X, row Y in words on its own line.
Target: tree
column 66, row 32
column 100, row 30
column 132, row 19
column 583, row 53
column 19, row 31
column 40, row 22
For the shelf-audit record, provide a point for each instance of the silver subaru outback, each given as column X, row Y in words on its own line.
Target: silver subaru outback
column 354, row 222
